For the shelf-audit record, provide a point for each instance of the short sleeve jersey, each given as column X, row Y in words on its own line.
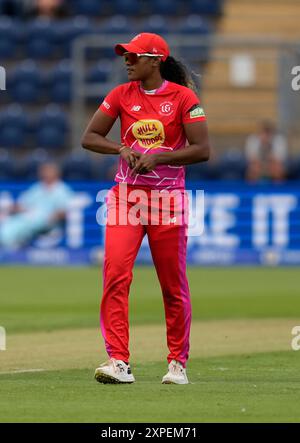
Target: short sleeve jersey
column 153, row 122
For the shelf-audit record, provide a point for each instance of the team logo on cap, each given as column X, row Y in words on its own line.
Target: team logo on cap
column 166, row 108
column 149, row 133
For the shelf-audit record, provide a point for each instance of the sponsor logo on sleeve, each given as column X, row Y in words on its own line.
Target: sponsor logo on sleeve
column 196, row 111
column 106, row 105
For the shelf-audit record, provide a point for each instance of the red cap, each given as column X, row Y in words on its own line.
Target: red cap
column 145, row 42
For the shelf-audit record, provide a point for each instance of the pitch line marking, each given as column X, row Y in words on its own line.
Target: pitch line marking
column 22, row 371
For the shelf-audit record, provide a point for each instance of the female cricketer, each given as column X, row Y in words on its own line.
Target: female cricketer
column 163, row 128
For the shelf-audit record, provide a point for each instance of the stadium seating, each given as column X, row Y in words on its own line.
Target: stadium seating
column 45, row 75
column 28, row 168
column 194, row 24
column 232, row 165
column 99, row 73
column 155, row 23
column 40, row 39
column 13, row 126
column 128, row 7
column 6, row 166
column 166, row 7
column 77, row 166
column 25, row 83
column 117, row 24
column 68, row 30
column 8, row 38
column 51, row 127
column 203, row 171
column 205, row 7
column 59, row 82
column 88, row 7
column 293, row 168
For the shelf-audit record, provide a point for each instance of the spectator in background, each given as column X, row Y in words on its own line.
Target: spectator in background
column 266, row 154
column 53, row 9
column 39, row 209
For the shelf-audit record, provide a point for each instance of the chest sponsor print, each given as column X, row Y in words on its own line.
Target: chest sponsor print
column 149, row 133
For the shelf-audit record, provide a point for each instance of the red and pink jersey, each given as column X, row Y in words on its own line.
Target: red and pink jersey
column 153, row 122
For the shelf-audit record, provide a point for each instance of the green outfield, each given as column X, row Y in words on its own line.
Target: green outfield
column 242, row 367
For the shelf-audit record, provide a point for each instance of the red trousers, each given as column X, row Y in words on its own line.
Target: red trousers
column 168, row 249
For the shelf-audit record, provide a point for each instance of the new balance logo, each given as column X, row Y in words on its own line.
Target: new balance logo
column 136, row 108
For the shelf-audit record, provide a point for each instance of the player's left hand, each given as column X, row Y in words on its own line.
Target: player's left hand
column 144, row 164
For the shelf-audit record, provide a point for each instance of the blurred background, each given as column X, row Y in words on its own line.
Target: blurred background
column 59, row 64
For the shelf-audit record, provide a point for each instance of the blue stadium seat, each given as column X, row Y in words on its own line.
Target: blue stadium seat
column 7, row 169
column 8, row 38
column 205, row 7
column 29, row 167
column 77, row 166
column 100, row 72
column 117, row 24
column 40, row 39
column 165, row 7
column 67, row 30
column 203, row 171
column 59, row 82
column 88, row 7
column 155, row 23
column 12, row 8
column 13, row 126
column 232, row 165
column 25, row 82
column 194, row 24
column 293, row 168
column 127, row 7
column 51, row 127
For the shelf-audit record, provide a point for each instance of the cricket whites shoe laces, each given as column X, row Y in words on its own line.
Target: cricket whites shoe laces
column 176, row 374
column 114, row 371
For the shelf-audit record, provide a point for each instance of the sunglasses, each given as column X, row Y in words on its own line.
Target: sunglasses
column 133, row 57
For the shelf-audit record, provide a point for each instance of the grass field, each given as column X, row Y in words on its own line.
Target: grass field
column 241, row 368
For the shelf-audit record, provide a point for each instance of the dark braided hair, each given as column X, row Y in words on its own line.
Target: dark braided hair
column 176, row 72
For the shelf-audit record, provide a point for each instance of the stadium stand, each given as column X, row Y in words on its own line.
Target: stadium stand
column 25, row 83
column 13, row 126
column 58, row 82
column 8, row 38
column 77, row 166
column 40, row 39
column 27, row 168
column 51, row 127
column 248, row 18
column 37, row 52
column 6, row 165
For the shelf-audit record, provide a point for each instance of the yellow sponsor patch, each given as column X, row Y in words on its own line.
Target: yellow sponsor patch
column 149, row 133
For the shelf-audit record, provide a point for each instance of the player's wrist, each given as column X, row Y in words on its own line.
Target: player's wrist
column 122, row 148
column 162, row 158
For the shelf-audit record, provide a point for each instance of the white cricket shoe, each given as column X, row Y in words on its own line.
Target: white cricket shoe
column 114, row 371
column 176, row 375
